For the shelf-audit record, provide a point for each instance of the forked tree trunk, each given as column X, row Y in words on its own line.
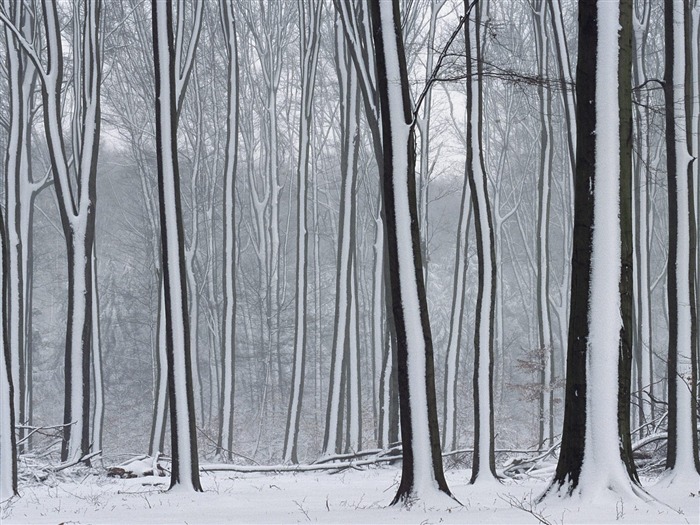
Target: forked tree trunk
column 160, row 370
column 76, row 204
column 185, row 463
column 483, row 464
column 350, row 115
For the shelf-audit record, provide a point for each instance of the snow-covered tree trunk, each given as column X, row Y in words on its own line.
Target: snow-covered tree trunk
column 454, row 340
column 594, row 456
column 14, row 173
column 318, row 314
column 8, row 449
column 682, row 449
column 568, row 93
column 350, row 115
column 381, row 355
column 160, row 370
column 695, row 152
column 225, row 441
column 195, row 138
column 20, row 192
column 422, row 474
column 483, row 464
column 185, row 463
column 309, row 12
column 98, row 412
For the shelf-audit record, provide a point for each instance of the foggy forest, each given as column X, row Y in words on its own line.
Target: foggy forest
column 349, row 261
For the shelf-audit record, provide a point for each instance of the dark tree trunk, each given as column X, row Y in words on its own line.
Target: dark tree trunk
column 571, row 455
column 627, row 245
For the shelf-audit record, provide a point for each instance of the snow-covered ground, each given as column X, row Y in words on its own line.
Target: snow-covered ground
column 351, row 496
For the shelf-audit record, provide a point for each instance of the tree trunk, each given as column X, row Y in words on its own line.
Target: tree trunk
column 160, row 369
column 228, row 369
column 185, row 463
column 14, row 174
column 309, row 30
column 641, row 161
column 682, row 447
column 594, row 453
column 422, row 474
column 8, row 448
column 98, row 381
column 454, row 340
column 483, row 464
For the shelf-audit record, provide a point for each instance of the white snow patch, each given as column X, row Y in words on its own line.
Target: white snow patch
column 350, row 497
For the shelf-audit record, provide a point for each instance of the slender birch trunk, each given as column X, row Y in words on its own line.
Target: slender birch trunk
column 14, row 174
column 566, row 79
column 423, row 124
column 160, row 369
